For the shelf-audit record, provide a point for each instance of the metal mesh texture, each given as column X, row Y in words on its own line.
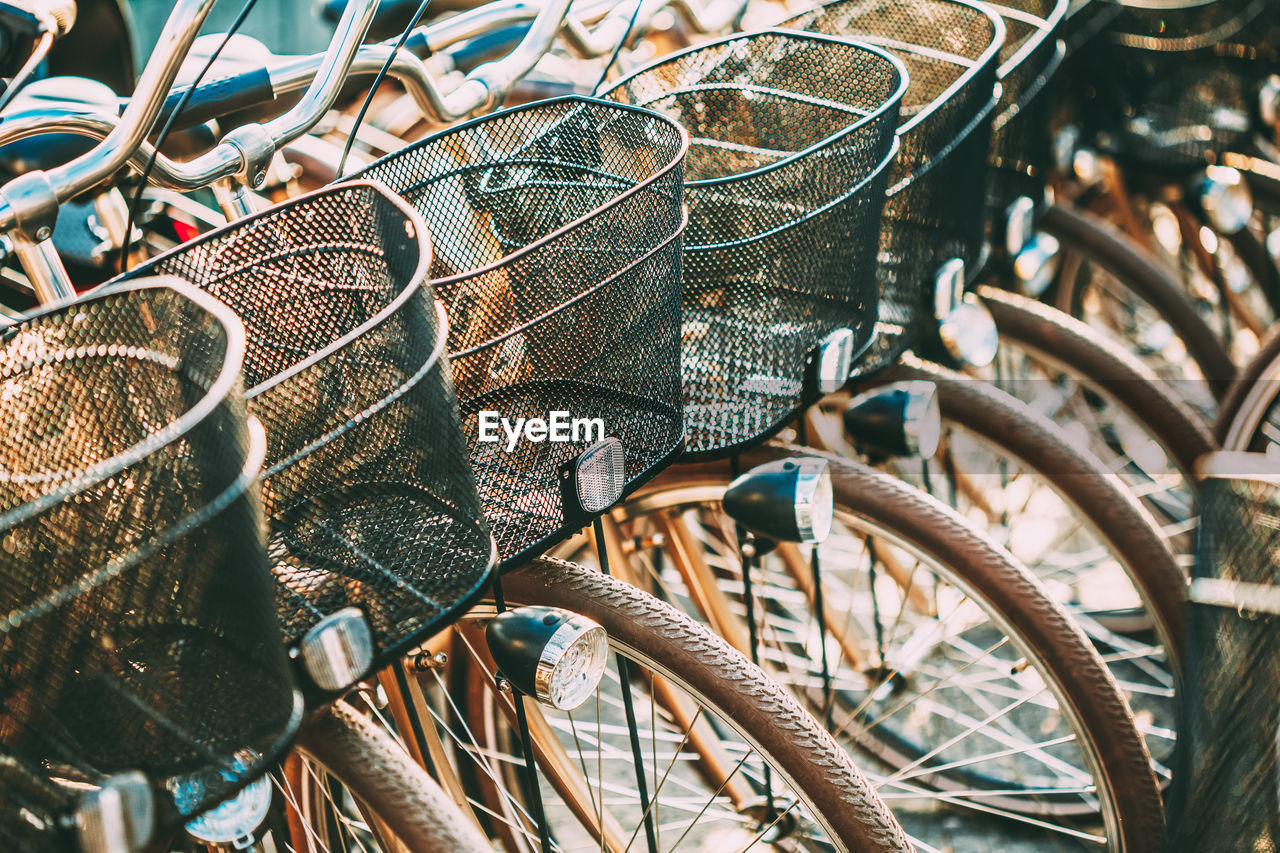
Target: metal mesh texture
column 1021, row 142
column 1229, row 778
column 136, row 627
column 937, row 185
column 370, row 501
column 557, row 230
column 1188, row 79
column 791, row 137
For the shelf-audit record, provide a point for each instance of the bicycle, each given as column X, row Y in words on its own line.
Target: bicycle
column 1172, row 180
column 830, row 790
column 670, row 557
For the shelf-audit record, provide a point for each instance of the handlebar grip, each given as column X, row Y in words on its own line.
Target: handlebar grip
column 221, row 97
column 481, row 49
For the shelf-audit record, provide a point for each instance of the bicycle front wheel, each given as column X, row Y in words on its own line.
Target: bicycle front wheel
column 684, row 746
column 929, row 652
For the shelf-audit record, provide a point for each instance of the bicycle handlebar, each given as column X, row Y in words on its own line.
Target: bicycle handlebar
column 246, row 151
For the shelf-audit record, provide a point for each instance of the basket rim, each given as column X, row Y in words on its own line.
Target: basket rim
column 1029, row 93
column 990, row 54
column 801, row 35
column 563, row 230
column 1048, row 29
column 417, row 280
column 880, row 168
column 77, row 481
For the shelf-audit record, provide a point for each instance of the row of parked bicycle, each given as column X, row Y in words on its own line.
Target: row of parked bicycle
column 803, row 436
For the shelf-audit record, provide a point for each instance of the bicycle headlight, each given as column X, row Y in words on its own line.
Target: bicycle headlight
column 232, row 820
column 899, row 419
column 551, row 654
column 789, row 500
column 1225, row 199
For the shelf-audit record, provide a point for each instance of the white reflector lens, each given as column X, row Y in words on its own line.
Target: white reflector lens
column 599, row 475
column 118, row 816
column 572, row 663
column 948, row 287
column 835, row 355
column 969, row 333
column 1036, row 265
column 823, row 507
column 232, row 820
column 338, row 650
column 1019, row 224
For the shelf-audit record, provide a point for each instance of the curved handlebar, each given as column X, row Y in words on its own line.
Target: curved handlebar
column 89, row 169
column 245, row 151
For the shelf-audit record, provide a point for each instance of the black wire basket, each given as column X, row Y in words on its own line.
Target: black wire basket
column 936, row 209
column 1188, row 78
column 369, row 498
column 1226, row 792
column 792, row 135
column 1021, row 140
column 136, row 625
column 557, row 229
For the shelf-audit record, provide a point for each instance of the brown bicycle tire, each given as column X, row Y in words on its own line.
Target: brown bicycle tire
column 992, row 574
column 705, row 665
column 1134, row 267
column 1252, row 393
column 1105, row 368
column 378, row 772
column 1097, row 494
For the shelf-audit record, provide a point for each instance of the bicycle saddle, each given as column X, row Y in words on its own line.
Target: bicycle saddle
column 62, row 95
column 242, row 53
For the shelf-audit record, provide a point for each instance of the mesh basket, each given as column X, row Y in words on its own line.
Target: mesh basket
column 136, row 628
column 792, row 135
column 1188, row 78
column 557, row 230
column 369, row 498
column 1227, row 785
column 1021, row 141
column 935, row 210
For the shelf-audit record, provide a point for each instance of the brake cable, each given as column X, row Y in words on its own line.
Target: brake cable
column 127, row 239
column 617, row 48
column 377, row 81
